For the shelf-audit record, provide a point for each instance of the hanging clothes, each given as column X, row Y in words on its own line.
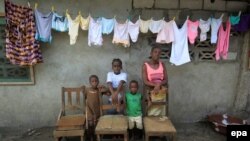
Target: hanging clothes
column 244, row 23
column 234, row 19
column 21, row 47
column 166, row 34
column 59, row 23
column 43, row 26
column 204, row 27
column 156, row 26
column 73, row 28
column 107, row 25
column 144, row 25
column 133, row 30
column 121, row 35
column 215, row 25
column 192, row 30
column 95, row 32
column 84, row 23
column 179, row 51
column 223, row 42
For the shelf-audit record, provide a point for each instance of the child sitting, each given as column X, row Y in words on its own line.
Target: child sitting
column 116, row 81
column 93, row 104
column 133, row 101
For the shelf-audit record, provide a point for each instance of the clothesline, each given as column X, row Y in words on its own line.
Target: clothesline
column 123, row 33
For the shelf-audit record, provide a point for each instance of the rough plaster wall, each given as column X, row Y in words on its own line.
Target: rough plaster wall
column 196, row 89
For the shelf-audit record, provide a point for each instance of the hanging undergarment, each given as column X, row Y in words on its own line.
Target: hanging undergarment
column 144, row 25
column 133, row 30
column 84, row 23
column 121, row 35
column 192, row 30
column 156, row 26
column 59, row 23
column 166, row 35
column 95, row 32
column 204, row 27
column 215, row 25
column 73, row 28
column 43, row 26
column 234, row 20
column 107, row 25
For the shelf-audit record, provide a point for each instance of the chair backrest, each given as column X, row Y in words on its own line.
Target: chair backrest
column 105, row 107
column 73, row 99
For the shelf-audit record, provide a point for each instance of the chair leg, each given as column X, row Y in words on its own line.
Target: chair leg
column 98, row 137
column 146, row 138
column 81, row 138
column 125, row 137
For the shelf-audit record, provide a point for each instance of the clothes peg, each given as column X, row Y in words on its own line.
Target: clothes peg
column 139, row 17
column 187, row 17
column 222, row 15
column 79, row 13
column 173, row 18
column 36, row 5
column 163, row 18
column 28, row 4
column 52, row 8
column 67, row 11
column 114, row 16
column 239, row 13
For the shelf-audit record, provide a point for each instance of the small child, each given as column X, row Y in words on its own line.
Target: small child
column 93, row 104
column 133, row 101
column 116, row 81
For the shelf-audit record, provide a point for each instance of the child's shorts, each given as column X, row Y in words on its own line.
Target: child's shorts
column 135, row 120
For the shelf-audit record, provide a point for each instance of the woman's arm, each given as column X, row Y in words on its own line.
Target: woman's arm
column 144, row 77
column 165, row 79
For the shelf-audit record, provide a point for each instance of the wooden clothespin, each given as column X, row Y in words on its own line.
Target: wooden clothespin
column 36, row 5
column 187, row 17
column 28, row 4
column 173, row 18
column 67, row 11
column 52, row 8
column 114, row 16
column 222, row 15
column 79, row 13
column 163, row 18
column 239, row 13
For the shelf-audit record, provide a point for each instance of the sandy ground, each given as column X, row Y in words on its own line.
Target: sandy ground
column 185, row 132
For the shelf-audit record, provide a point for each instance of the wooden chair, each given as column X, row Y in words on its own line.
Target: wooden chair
column 111, row 124
column 159, row 126
column 71, row 119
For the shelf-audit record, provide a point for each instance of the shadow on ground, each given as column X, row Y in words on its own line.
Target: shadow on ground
column 201, row 131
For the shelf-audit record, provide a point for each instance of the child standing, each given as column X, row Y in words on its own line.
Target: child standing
column 116, row 81
column 93, row 104
column 133, row 101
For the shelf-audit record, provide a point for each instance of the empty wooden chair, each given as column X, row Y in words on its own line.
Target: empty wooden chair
column 71, row 119
column 159, row 125
column 111, row 124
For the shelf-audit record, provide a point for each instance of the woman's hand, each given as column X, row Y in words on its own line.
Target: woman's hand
column 157, row 88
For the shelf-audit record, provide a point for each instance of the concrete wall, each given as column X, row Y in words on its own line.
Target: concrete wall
column 196, row 89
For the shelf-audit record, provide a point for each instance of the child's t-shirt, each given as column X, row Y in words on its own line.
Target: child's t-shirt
column 133, row 104
column 116, row 78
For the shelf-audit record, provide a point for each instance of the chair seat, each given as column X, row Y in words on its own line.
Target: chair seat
column 156, row 125
column 71, row 122
column 112, row 124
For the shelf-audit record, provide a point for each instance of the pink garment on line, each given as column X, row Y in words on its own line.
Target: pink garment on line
column 192, row 30
column 223, row 41
column 166, row 34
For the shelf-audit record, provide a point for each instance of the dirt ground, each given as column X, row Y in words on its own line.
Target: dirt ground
column 201, row 131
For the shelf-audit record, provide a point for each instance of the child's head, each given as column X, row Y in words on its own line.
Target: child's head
column 133, row 86
column 94, row 81
column 117, row 65
column 155, row 53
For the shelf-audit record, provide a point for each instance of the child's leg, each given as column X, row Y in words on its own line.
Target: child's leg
column 131, row 125
column 139, row 127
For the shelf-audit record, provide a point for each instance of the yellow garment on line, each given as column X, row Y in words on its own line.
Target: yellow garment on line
column 144, row 25
column 74, row 26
